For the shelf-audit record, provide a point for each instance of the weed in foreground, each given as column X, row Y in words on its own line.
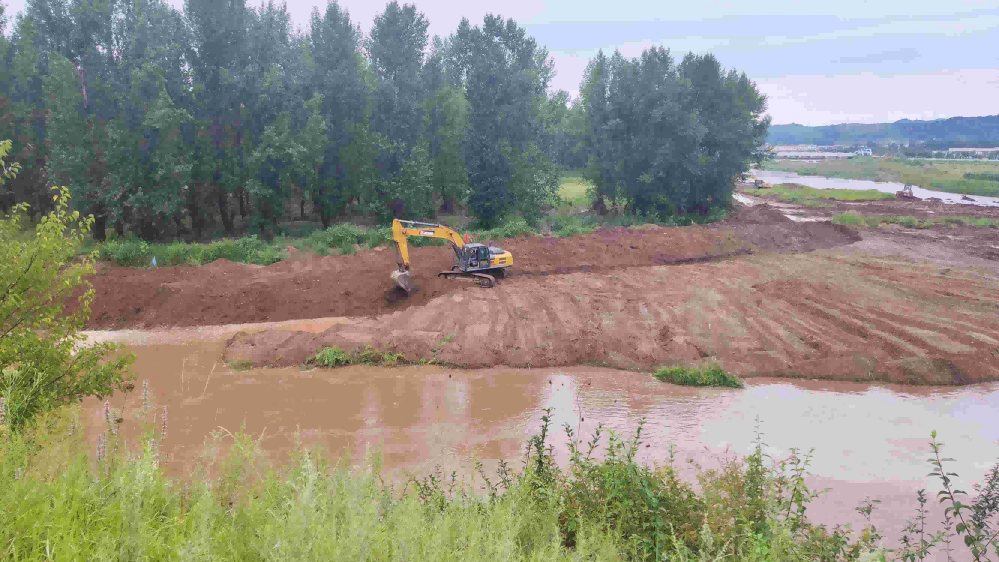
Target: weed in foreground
column 603, row 505
column 706, row 375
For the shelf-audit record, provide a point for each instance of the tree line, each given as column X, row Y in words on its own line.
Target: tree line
column 223, row 118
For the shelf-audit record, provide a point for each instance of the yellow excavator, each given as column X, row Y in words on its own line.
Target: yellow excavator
column 471, row 261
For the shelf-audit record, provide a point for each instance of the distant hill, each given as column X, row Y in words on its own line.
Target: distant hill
column 954, row 131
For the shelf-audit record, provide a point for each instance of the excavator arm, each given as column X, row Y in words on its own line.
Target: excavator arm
column 401, row 230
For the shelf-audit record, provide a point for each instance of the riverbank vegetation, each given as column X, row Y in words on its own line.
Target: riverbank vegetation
column 223, row 120
column 812, row 197
column 705, row 375
column 966, row 177
column 875, row 221
column 60, row 496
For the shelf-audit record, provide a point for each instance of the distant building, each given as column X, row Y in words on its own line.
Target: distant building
column 864, row 152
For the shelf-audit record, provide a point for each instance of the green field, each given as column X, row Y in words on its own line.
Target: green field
column 811, row 197
column 938, row 175
column 573, row 190
column 875, row 221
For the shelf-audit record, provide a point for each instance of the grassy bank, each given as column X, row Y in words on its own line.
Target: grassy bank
column 812, row 197
column 875, row 221
column 347, row 238
column 59, row 501
column 970, row 178
column 706, row 375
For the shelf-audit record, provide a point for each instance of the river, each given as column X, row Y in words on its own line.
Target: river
column 820, row 182
column 870, row 441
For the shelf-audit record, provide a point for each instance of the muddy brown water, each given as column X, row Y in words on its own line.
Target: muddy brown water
column 870, row 441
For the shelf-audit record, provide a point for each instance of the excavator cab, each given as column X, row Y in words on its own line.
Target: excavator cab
column 476, row 257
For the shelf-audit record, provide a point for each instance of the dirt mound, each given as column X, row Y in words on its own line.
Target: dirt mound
column 761, row 213
column 832, row 314
column 359, row 285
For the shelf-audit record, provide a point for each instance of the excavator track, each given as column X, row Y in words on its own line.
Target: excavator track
column 483, row 279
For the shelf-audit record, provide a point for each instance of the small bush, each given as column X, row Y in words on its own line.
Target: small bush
column 511, row 229
column 240, row 365
column 710, row 375
column 128, row 253
column 331, row 357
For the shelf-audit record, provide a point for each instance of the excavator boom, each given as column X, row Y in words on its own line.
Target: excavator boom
column 401, row 230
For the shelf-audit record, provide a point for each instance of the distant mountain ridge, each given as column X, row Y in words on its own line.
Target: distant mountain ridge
column 963, row 130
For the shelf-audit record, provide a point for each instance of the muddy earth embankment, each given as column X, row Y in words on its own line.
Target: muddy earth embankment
column 308, row 286
column 757, row 293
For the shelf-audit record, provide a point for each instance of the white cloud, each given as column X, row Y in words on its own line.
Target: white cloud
column 870, row 98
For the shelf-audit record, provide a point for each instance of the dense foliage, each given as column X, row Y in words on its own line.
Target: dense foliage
column 222, row 119
column 43, row 362
column 664, row 137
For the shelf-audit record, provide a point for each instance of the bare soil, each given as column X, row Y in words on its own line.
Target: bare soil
column 307, row 286
column 757, row 293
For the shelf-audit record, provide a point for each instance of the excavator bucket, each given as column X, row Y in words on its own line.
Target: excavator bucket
column 404, row 279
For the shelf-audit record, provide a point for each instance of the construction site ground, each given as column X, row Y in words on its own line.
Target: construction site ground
column 758, row 293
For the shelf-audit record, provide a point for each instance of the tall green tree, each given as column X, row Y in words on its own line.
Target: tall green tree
column 506, row 75
column 445, row 125
column 216, row 55
column 336, row 65
column 395, row 50
column 668, row 138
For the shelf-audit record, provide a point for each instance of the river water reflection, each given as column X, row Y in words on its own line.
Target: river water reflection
column 868, row 440
column 819, row 182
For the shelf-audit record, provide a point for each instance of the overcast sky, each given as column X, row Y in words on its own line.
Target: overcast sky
column 820, row 63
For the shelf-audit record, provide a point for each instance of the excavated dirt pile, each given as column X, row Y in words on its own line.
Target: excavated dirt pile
column 829, row 314
column 307, row 286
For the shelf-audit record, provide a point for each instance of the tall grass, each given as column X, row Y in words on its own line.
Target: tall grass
column 875, row 221
column 705, row 375
column 57, row 501
column 812, row 197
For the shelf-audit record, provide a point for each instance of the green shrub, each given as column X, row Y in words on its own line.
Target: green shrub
column 987, row 176
column 331, row 357
column 128, row 253
column 45, row 361
column 511, row 229
column 707, row 375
